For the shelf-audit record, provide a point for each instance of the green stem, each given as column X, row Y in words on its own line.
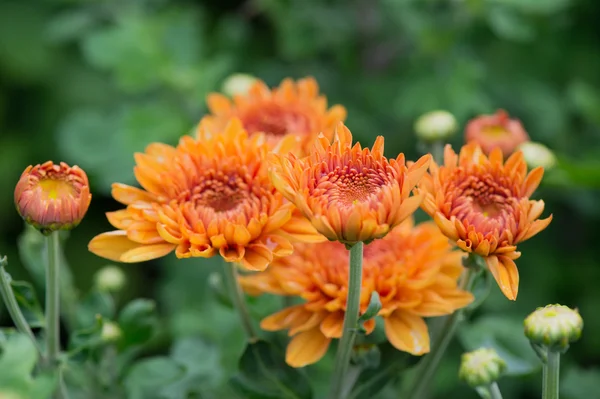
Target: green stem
column 437, row 151
column 344, row 350
column 8, row 296
column 551, row 376
column 53, row 298
column 428, row 366
column 239, row 302
column 495, row 391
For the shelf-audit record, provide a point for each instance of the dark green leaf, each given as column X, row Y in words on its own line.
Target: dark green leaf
column 87, row 338
column 148, row 378
column 28, row 303
column 264, row 374
column 137, row 321
column 95, row 303
column 17, row 361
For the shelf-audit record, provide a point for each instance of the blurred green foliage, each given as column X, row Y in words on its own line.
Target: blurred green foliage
column 93, row 81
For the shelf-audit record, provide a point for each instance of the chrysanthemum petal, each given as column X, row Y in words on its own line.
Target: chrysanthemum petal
column 407, row 332
column 116, row 246
column 306, row 348
column 506, row 274
column 257, row 257
column 333, row 325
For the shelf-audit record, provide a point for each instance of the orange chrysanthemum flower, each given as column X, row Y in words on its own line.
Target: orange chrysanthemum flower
column 349, row 194
column 293, row 109
column 206, row 196
column 498, row 130
column 413, row 269
column 483, row 204
column 53, row 197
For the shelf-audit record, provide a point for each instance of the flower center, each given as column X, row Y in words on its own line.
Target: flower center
column 54, row 189
column 350, row 186
column 494, row 131
column 220, row 193
column 275, row 120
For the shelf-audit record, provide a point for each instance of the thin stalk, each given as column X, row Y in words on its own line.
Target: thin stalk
column 551, row 376
column 437, row 151
column 239, row 302
column 428, row 366
column 10, row 301
column 344, row 350
column 53, row 298
column 495, row 391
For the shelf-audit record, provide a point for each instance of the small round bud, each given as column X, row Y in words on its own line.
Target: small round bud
column 497, row 130
column 110, row 278
column 238, row 83
column 435, row 126
column 111, row 331
column 554, row 326
column 537, row 154
column 481, row 367
column 53, row 197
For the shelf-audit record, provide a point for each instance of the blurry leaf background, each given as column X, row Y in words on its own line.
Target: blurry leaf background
column 90, row 82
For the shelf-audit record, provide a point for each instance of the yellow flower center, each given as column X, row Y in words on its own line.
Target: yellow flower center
column 494, row 131
column 54, row 189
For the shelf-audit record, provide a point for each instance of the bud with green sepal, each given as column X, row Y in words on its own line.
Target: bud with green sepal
column 110, row 278
column 480, row 369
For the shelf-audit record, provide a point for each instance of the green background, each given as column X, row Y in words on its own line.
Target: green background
column 91, row 82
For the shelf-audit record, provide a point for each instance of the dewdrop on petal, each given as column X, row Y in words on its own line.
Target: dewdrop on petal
column 481, row 367
column 537, row 154
column 436, row 126
column 238, row 84
column 554, row 326
column 110, row 278
column 53, row 197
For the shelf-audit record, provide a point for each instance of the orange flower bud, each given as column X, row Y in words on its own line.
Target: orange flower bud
column 53, row 197
column 498, row 130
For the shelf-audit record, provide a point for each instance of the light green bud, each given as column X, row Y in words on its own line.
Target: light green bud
column 110, row 278
column 554, row 326
column 436, row 126
column 481, row 367
column 238, row 83
column 537, row 154
column 110, row 331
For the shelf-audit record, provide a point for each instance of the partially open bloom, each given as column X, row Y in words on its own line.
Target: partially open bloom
column 483, row 204
column 207, row 196
column 413, row 269
column 349, row 194
column 53, row 197
column 497, row 130
column 554, row 326
column 294, row 110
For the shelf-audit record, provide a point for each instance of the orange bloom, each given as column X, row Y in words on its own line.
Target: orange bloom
column 413, row 269
column 498, row 130
column 293, row 109
column 206, row 196
column 53, row 197
column 483, row 204
column 349, row 194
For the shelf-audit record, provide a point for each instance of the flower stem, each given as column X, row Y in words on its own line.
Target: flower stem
column 551, row 375
column 346, row 343
column 495, row 391
column 237, row 296
column 8, row 296
column 437, row 151
column 53, row 298
column 428, row 366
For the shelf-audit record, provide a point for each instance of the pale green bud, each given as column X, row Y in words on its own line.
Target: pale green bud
column 436, row 126
column 481, row 367
column 238, row 83
column 110, row 331
column 110, row 278
column 537, row 154
column 554, row 326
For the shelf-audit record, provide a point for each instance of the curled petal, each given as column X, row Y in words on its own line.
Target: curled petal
column 306, row 348
column 506, row 274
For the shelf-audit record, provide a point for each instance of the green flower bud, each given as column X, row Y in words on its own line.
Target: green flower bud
column 111, row 331
column 537, row 154
column 110, row 278
column 435, row 126
column 481, row 367
column 238, row 83
column 554, row 326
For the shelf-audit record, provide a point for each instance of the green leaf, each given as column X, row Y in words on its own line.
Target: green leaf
column 148, row 378
column 373, row 308
column 137, row 321
column 265, row 375
column 18, row 358
column 95, row 303
column 28, row 303
column 507, row 338
column 87, row 338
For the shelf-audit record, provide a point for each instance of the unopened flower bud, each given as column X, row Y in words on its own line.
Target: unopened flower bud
column 554, row 326
column 238, row 83
column 481, row 367
column 435, row 126
column 53, row 197
column 497, row 130
column 110, row 278
column 537, row 154
column 111, row 331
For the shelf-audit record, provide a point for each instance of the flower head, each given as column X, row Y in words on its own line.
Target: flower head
column 554, row 326
column 481, row 367
column 498, row 130
column 349, row 194
column 294, row 110
column 537, row 154
column 53, row 197
column 483, row 204
column 436, row 125
column 207, row 196
column 110, row 278
column 413, row 270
